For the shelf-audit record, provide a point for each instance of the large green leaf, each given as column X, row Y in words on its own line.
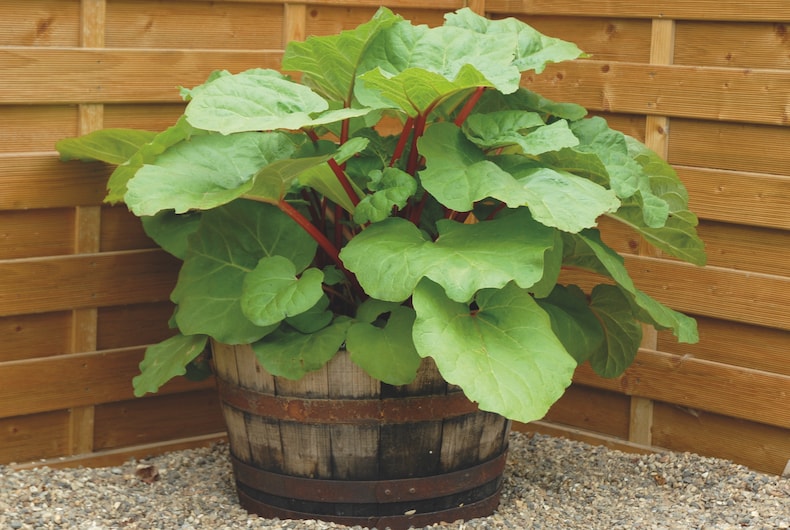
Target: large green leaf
column 167, row 360
column 114, row 146
column 623, row 333
column 291, row 354
column 272, row 291
column 329, row 63
column 523, row 129
column 259, row 100
column 171, row 231
column 458, row 174
column 573, row 322
column 564, row 200
column 227, row 246
column 534, row 50
column 415, row 67
column 591, row 253
column 116, row 184
column 503, row 352
column 205, row 172
column 383, row 347
column 389, row 258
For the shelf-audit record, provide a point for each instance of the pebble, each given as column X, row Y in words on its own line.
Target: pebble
column 550, row 483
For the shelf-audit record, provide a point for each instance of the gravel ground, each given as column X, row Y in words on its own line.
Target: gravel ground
column 551, row 483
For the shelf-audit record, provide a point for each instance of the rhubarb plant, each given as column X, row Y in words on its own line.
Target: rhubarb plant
column 404, row 198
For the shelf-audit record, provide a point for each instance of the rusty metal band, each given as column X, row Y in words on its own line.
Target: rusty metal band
column 480, row 508
column 368, row 491
column 349, row 410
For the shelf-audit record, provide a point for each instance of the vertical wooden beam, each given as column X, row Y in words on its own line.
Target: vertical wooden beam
column 662, row 50
column 87, row 232
column 294, row 22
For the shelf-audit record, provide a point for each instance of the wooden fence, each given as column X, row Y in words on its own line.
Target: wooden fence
column 82, row 290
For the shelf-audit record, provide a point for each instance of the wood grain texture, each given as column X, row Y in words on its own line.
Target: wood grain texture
column 592, row 409
column 701, row 384
column 115, row 75
column 34, row 436
column 761, row 447
column 756, row 45
column 40, row 285
column 40, row 23
column 37, row 335
column 771, row 10
column 712, row 93
column 73, row 380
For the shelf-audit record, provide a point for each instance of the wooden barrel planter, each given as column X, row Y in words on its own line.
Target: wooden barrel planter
column 340, row 446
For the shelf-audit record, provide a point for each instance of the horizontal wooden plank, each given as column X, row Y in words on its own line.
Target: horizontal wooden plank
column 593, row 410
column 738, row 197
column 741, row 296
column 329, row 18
column 33, row 233
column 41, row 180
column 115, row 75
column 74, row 380
column 216, row 25
column 34, row 436
column 768, row 10
column 39, row 23
column 117, row 457
column 40, row 285
column 761, row 447
column 29, row 336
column 754, row 45
column 747, row 248
column 157, row 419
column 726, row 342
column 605, row 39
column 699, row 384
column 588, row 437
column 35, row 128
column 730, row 146
column 150, row 117
column 122, row 230
column 133, row 325
column 729, row 94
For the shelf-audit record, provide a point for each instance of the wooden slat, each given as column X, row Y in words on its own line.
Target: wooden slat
column 741, row 296
column 154, row 117
column 328, row 18
column 758, row 45
column 756, row 96
column 74, row 380
column 133, row 325
column 34, row 436
column 122, row 230
column 736, row 344
column 117, row 457
column 747, row 248
column 40, row 285
column 593, row 410
column 29, row 336
column 215, row 25
column 157, row 419
column 32, row 180
column 27, row 128
column 605, row 39
column 112, row 75
column 581, row 435
column 731, row 146
column 738, row 197
column 32, row 233
column 39, row 23
column 699, row 384
column 768, row 10
column 761, row 447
